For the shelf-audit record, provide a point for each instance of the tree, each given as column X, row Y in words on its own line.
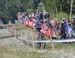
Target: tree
column 9, row 8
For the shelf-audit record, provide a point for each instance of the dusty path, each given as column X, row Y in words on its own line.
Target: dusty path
column 7, row 39
column 68, row 52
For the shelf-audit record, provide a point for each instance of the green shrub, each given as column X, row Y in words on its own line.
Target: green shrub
column 29, row 10
column 61, row 15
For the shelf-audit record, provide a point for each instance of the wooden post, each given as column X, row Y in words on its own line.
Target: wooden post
column 25, row 37
column 22, row 38
column 52, row 44
column 32, row 41
column 52, row 41
column 16, row 34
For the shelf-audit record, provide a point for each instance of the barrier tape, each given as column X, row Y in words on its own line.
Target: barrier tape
column 56, row 41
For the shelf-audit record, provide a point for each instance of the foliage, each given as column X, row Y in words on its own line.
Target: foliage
column 9, row 8
column 61, row 15
column 51, row 5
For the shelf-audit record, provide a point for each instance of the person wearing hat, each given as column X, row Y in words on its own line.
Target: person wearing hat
column 66, row 28
column 20, row 17
column 73, row 27
column 62, row 33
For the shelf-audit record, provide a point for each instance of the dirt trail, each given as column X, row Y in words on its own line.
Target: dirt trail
column 7, row 39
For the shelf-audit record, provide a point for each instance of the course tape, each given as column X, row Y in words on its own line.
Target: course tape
column 56, row 41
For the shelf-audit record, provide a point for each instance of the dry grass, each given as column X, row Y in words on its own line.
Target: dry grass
column 20, row 52
column 7, row 52
column 63, row 50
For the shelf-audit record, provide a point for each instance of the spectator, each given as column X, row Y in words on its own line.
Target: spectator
column 66, row 28
column 20, row 18
column 63, row 34
column 70, row 31
column 73, row 27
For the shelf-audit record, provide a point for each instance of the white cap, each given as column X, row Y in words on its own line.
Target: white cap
column 64, row 18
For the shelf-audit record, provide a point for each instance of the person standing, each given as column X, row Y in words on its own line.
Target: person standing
column 73, row 27
column 62, row 33
column 20, row 18
column 66, row 28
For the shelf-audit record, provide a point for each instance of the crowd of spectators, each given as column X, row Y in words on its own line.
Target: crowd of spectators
column 47, row 26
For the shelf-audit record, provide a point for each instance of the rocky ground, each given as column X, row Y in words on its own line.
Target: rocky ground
column 8, row 39
column 10, row 47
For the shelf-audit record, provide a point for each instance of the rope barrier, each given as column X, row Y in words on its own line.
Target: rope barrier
column 55, row 41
